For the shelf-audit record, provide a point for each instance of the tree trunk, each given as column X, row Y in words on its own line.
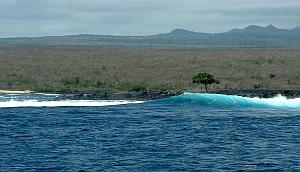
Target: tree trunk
column 206, row 87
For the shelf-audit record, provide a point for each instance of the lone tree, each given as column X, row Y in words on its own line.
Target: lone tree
column 205, row 79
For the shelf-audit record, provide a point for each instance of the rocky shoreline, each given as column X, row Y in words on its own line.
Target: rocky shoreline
column 144, row 95
column 154, row 95
column 261, row 93
column 108, row 95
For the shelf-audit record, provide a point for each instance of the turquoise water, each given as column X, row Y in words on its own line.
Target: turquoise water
column 191, row 132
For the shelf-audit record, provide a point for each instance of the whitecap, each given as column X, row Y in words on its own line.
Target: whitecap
column 65, row 103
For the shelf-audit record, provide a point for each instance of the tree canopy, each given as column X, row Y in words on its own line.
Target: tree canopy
column 205, row 79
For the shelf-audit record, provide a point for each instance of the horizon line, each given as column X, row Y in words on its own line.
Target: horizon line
column 94, row 34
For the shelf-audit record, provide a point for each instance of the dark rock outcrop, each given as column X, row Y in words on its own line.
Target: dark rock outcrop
column 107, row 95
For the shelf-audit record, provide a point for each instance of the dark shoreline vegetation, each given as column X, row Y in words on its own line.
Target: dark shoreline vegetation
column 158, row 71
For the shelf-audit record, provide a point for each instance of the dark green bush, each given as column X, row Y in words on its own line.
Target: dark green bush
column 77, row 84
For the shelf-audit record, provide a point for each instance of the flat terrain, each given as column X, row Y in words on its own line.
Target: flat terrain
column 129, row 68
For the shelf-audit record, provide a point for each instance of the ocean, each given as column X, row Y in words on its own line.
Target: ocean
column 190, row 132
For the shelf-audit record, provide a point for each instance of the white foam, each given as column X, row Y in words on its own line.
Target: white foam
column 64, row 103
column 233, row 100
column 280, row 101
column 14, row 92
column 47, row 94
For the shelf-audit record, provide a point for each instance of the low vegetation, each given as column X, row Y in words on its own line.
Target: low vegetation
column 138, row 68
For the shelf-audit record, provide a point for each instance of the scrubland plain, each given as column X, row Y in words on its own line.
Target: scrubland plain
column 87, row 68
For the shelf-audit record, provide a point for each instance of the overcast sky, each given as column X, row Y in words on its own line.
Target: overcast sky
column 140, row 17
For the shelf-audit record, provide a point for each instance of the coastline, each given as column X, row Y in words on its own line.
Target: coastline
column 144, row 95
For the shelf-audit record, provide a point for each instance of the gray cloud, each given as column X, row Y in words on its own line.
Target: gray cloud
column 140, row 17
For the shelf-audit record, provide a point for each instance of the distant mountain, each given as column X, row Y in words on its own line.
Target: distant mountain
column 253, row 29
column 183, row 32
column 258, row 31
column 251, row 36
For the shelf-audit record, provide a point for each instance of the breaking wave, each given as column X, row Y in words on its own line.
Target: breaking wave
column 199, row 99
column 219, row 100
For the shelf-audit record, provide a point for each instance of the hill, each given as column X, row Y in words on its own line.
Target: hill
column 251, row 36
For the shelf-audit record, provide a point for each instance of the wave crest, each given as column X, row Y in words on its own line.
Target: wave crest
column 219, row 100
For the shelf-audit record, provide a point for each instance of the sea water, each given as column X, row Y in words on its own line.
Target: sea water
column 190, row 132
